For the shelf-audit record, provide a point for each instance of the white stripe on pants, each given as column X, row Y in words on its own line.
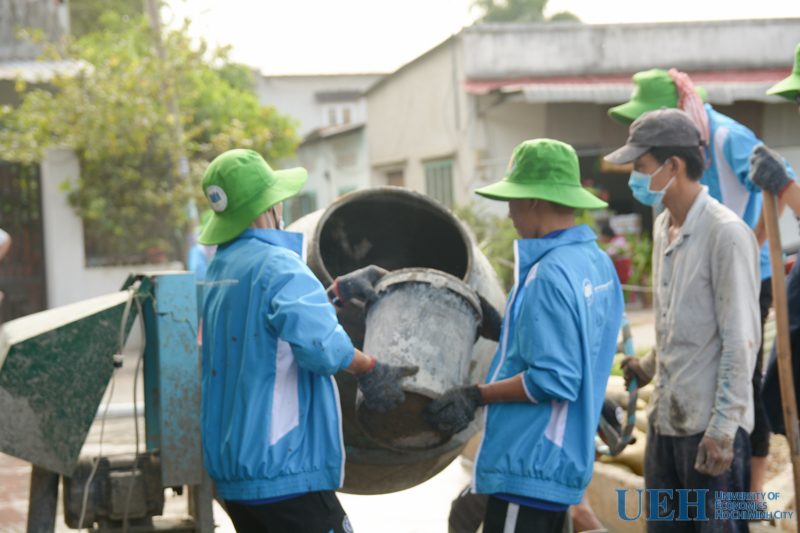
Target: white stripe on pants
column 511, row 518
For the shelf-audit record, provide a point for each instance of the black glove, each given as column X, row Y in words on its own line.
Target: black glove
column 454, row 410
column 380, row 385
column 359, row 284
column 767, row 170
column 492, row 321
column 632, row 368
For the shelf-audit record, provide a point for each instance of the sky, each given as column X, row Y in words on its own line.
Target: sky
column 348, row 36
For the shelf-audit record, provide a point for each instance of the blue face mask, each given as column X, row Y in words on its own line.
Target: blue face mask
column 640, row 185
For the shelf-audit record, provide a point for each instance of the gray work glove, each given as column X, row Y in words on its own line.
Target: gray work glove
column 359, row 284
column 380, row 385
column 454, row 410
column 767, row 170
column 492, row 321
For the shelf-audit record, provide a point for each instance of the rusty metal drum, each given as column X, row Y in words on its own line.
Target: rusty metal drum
column 425, row 318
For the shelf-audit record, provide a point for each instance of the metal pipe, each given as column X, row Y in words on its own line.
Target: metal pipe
column 43, row 501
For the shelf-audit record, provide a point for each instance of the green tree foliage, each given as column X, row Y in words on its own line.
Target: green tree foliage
column 85, row 15
column 495, row 236
column 519, row 11
column 113, row 115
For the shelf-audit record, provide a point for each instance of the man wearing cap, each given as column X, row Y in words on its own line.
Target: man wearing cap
column 705, row 298
column 728, row 145
column 271, row 419
column 547, row 381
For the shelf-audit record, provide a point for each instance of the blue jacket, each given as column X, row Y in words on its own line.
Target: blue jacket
column 728, row 178
column 560, row 329
column 271, row 419
column 196, row 261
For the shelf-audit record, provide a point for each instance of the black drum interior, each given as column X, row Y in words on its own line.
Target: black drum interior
column 393, row 230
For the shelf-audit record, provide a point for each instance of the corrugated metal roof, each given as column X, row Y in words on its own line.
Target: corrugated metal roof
column 41, row 71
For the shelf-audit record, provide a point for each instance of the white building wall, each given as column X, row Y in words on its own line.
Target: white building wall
column 68, row 278
column 334, row 163
column 296, row 96
column 502, row 50
column 420, row 114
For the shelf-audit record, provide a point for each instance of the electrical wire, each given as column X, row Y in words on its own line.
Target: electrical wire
column 135, row 419
column 85, row 496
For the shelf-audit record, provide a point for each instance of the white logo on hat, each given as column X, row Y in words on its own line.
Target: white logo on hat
column 217, row 198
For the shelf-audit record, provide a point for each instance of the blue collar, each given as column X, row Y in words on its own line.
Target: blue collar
column 528, row 252
column 294, row 242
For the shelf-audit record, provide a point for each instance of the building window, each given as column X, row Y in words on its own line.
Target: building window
column 299, row 206
column 346, row 189
column 439, row 181
column 395, row 178
column 346, row 115
column 332, row 116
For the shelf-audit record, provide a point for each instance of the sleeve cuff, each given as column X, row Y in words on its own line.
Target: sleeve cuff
column 348, row 358
column 648, row 363
column 721, row 429
column 527, row 390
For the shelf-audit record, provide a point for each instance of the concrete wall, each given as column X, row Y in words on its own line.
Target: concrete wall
column 343, row 158
column 420, row 114
column 296, row 95
column 52, row 17
column 515, row 50
column 68, row 278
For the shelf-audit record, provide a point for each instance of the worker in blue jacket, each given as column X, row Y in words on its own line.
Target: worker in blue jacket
column 728, row 146
column 271, row 419
column 547, row 382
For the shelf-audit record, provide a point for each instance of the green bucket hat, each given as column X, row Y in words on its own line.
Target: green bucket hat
column 789, row 88
column 652, row 89
column 240, row 185
column 544, row 169
column 204, row 218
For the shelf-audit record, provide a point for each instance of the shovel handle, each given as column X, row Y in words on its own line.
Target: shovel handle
column 782, row 339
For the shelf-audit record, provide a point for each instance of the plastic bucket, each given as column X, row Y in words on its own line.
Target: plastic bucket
column 426, row 318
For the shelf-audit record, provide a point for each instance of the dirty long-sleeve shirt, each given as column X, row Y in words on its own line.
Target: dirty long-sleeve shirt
column 705, row 296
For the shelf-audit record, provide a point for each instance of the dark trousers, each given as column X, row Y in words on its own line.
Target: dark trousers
column 467, row 512
column 759, row 438
column 315, row 512
column 505, row 517
column 771, row 391
column 669, row 465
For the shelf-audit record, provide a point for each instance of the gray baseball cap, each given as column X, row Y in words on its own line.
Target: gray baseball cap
column 662, row 127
